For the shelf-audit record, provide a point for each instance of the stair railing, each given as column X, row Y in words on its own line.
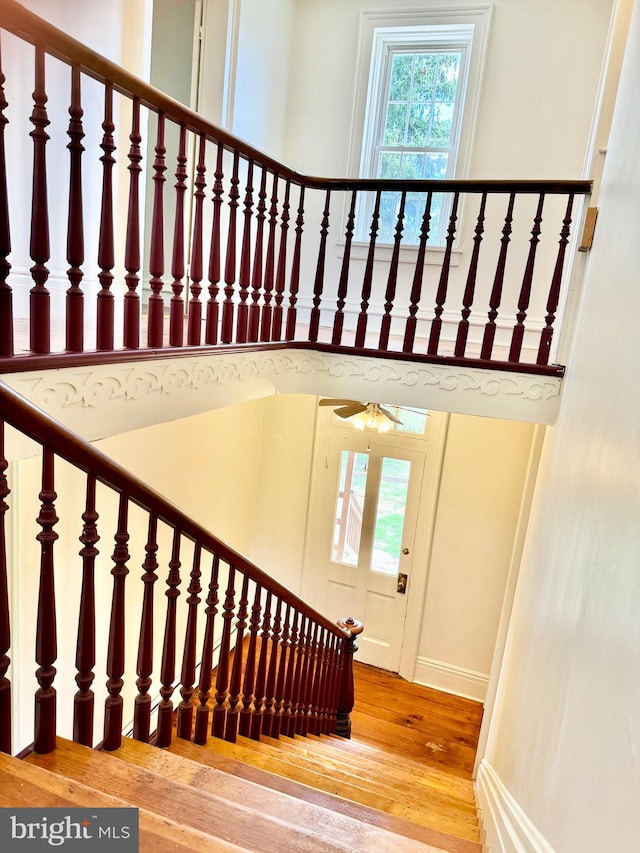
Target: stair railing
column 247, row 655
column 273, row 256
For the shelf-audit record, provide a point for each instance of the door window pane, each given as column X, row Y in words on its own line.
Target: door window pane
column 347, row 528
column 390, row 512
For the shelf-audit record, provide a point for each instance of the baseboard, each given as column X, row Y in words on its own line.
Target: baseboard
column 451, row 679
column 506, row 827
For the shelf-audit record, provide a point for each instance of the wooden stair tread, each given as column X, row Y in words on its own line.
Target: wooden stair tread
column 23, row 784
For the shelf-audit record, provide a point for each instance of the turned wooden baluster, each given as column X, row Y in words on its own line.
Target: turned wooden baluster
column 176, row 305
column 313, row 693
column 294, row 284
column 244, row 277
column 470, row 287
column 144, row 667
column 194, row 328
column 5, row 620
column 261, row 675
column 343, row 283
column 517, row 335
column 256, row 275
column 46, row 628
column 269, row 266
column 211, row 325
column 83, row 702
column 184, row 725
column 441, row 296
column 131, row 335
column 310, row 676
column 361, row 328
column 270, row 689
column 39, row 303
column 328, row 723
column 336, row 681
column 6, row 296
column 286, row 725
column 298, row 709
column 498, row 282
column 168, row 665
column 201, row 729
column 226, row 334
column 346, row 691
column 250, row 666
column 156, row 249
column 319, row 686
column 276, row 726
column 222, row 673
column 418, row 273
column 106, row 251
column 116, row 647
column 318, row 286
column 390, row 293
column 554, row 292
column 75, row 221
column 231, row 726
column 281, row 273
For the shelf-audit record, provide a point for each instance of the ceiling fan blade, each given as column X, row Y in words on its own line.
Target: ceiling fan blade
column 333, row 401
column 350, row 410
column 389, row 415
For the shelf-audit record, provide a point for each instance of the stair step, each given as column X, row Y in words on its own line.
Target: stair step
column 23, row 784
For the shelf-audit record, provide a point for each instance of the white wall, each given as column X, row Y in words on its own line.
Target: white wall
column 562, row 759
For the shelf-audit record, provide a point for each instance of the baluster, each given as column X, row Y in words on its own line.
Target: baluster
column 245, row 260
column 46, row 628
column 256, row 275
column 231, row 727
column 168, row 666
column 116, row 647
column 469, row 291
column 176, row 307
column 328, row 720
column 314, row 323
column 276, row 331
column 226, row 335
column 131, row 333
column 286, row 725
column 302, row 668
column 5, row 620
column 211, row 327
column 75, row 223
column 144, row 667
column 346, row 692
column 282, row 672
column 319, row 686
column 441, row 296
column 269, row 702
column 517, row 335
column 311, row 705
column 156, row 249
column 336, row 681
column 201, row 729
column 338, row 320
column 416, row 286
column 106, row 251
column 261, row 676
column 390, row 293
column 184, row 724
column 269, row 267
column 361, row 328
column 294, row 285
column 194, row 331
column 554, row 292
column 222, row 674
column 83, row 701
column 498, row 281
column 250, row 666
column 6, row 296
column 40, row 308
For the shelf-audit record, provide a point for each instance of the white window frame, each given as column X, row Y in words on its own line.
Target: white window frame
column 381, row 31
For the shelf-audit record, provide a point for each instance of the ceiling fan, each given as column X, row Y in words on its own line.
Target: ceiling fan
column 371, row 416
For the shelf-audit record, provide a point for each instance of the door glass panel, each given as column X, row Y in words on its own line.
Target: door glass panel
column 347, row 527
column 390, row 512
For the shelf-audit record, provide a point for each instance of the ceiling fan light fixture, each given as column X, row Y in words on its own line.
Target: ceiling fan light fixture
column 372, row 419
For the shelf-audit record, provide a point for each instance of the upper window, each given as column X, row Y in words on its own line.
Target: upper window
column 420, row 100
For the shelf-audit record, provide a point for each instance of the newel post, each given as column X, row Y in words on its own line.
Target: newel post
column 345, row 690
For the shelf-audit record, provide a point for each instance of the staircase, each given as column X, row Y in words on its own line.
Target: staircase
column 313, row 793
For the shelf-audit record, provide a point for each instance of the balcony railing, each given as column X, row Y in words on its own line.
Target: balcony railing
column 146, row 227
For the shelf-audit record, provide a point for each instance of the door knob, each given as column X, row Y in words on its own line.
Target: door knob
column 402, row 584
